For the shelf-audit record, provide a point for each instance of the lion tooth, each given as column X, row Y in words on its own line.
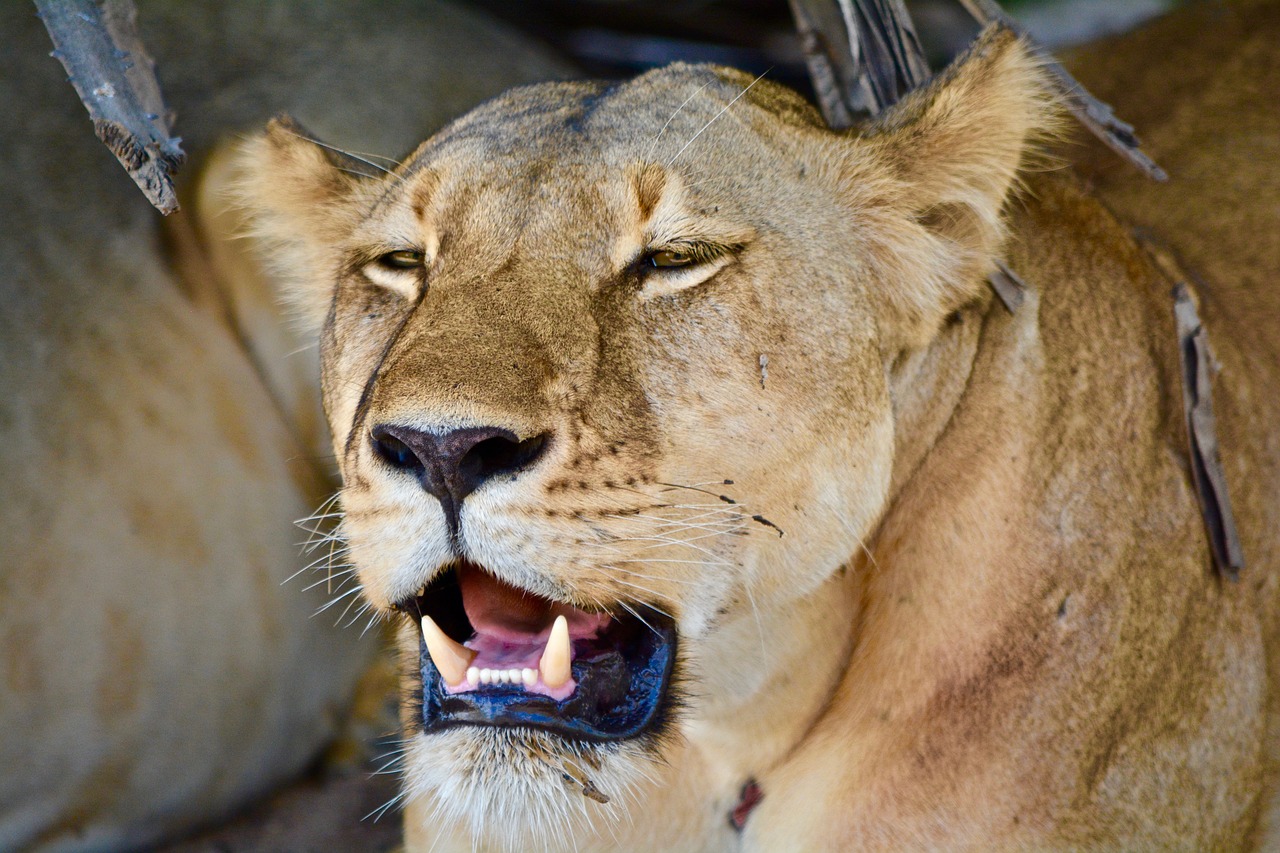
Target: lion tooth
column 529, row 677
column 473, row 676
column 450, row 657
column 555, row 662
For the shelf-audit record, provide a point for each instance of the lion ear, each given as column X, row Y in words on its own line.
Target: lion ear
column 300, row 200
column 952, row 151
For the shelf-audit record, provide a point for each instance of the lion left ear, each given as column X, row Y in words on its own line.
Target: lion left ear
column 946, row 158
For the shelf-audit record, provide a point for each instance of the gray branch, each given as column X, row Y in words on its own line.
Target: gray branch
column 863, row 55
column 1091, row 112
column 98, row 44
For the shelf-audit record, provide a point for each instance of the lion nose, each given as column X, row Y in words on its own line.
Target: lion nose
column 452, row 465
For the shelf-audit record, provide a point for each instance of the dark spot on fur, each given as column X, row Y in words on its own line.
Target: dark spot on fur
column 649, row 184
column 760, row 519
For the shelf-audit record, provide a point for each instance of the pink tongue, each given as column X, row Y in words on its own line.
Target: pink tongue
column 507, row 614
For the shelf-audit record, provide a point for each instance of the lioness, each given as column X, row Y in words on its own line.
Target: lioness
column 723, row 507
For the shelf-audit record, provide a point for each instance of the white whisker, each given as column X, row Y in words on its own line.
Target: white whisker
column 713, row 119
column 672, row 117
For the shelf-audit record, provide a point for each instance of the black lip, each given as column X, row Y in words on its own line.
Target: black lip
column 623, row 677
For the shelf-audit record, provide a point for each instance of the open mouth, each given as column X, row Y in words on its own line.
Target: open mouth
column 492, row 654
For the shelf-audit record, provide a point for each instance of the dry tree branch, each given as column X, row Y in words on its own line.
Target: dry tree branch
column 1088, row 110
column 863, row 55
column 98, row 44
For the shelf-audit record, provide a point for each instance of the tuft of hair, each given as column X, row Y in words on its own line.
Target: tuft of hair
column 299, row 198
column 948, row 159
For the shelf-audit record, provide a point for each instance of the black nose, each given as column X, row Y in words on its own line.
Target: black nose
column 454, row 464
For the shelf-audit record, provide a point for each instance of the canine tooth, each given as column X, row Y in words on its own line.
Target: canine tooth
column 555, row 662
column 450, row 657
column 473, row 676
column 529, row 677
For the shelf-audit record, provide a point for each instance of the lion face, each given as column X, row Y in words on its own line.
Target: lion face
column 608, row 374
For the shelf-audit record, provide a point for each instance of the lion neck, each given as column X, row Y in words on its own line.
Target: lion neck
column 738, row 707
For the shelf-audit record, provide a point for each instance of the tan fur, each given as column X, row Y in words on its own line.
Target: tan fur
column 990, row 620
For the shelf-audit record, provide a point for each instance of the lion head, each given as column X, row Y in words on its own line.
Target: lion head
column 610, row 371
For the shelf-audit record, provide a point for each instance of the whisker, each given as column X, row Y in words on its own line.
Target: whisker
column 672, row 117
column 647, row 591
column 314, row 564
column 716, row 116
column 661, row 541
column 651, row 577
column 315, row 584
column 350, row 154
column 355, row 617
column 334, row 601
column 643, row 621
column 373, row 620
column 377, row 813
column 676, row 562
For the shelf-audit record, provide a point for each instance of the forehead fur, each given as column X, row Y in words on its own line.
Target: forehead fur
column 590, row 120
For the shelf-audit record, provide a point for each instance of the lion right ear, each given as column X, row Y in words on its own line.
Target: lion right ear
column 300, row 199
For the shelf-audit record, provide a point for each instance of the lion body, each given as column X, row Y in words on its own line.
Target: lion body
column 982, row 613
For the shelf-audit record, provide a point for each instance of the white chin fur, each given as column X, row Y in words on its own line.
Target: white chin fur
column 503, row 789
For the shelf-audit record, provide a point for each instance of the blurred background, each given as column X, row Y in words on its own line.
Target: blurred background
column 619, row 38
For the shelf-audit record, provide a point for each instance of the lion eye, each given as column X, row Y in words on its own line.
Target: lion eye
column 667, row 259
column 401, row 259
column 402, row 271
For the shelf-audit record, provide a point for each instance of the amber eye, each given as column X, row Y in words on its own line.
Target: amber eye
column 667, row 259
column 401, row 259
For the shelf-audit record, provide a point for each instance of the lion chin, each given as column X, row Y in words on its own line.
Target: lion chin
column 719, row 505
column 512, row 789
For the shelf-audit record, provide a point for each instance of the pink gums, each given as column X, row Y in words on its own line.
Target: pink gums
column 512, row 627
